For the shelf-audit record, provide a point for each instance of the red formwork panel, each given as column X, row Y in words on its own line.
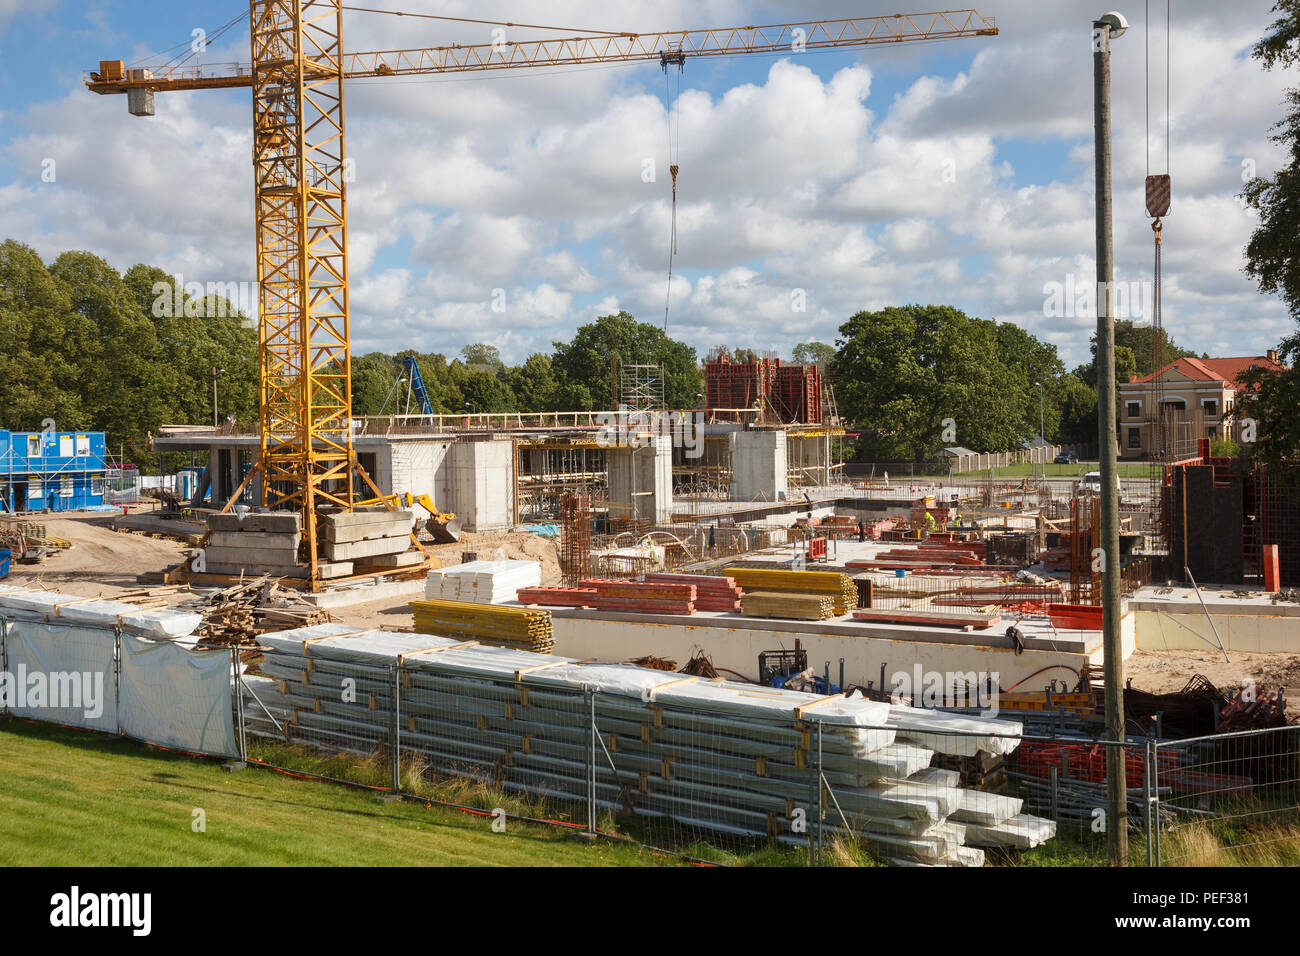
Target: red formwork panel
column 793, row 392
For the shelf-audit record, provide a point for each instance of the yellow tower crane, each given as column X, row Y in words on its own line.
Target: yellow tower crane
column 297, row 74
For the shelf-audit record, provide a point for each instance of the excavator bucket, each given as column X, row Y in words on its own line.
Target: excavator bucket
column 443, row 529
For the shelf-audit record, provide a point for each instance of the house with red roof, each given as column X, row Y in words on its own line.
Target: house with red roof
column 1188, row 399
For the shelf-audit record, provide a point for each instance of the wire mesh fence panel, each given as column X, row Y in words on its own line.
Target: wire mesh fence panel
column 317, row 716
column 706, row 783
column 1230, row 799
column 510, row 749
column 1065, row 781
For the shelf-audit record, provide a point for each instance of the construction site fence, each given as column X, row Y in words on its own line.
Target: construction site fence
column 682, row 781
column 678, row 781
column 102, row 679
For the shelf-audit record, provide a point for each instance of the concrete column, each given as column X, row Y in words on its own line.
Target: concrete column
column 641, row 479
column 481, row 478
column 758, row 465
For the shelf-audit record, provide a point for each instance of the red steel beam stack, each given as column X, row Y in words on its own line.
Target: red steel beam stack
column 712, row 592
column 615, row 594
column 557, row 597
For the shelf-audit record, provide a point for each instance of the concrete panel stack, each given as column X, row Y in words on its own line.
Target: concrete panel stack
column 259, row 543
column 483, row 582
column 372, row 539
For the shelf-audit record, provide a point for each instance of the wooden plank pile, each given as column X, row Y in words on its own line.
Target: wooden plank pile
column 712, row 592
column 801, row 607
column 839, row 587
column 616, row 594
column 714, row 755
column 927, row 617
column 240, row 613
column 494, row 624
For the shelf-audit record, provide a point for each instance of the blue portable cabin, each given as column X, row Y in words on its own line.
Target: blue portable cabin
column 51, row 471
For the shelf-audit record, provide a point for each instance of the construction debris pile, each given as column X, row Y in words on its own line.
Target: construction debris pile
column 482, row 582
column 716, row 755
column 238, row 614
column 486, row 623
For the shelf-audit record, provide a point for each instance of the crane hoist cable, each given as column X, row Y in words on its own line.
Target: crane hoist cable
column 1158, row 190
column 671, row 100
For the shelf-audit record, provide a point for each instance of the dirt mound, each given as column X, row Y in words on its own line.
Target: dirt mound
column 504, row 545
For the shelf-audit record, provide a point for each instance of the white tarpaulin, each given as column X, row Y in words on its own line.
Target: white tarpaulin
column 60, row 673
column 51, row 606
column 177, row 697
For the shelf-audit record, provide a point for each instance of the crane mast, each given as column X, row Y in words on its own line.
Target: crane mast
column 297, row 74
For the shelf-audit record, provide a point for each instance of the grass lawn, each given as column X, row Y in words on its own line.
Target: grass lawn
column 69, row 798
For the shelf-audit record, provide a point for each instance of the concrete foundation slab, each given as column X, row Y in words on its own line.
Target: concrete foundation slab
column 376, row 526
column 275, row 522
column 364, row 593
column 254, row 539
column 251, row 557
column 352, row 550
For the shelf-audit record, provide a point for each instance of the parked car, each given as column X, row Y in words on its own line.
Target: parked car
column 1066, row 458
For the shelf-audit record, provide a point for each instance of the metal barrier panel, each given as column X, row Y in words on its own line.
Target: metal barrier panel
column 64, row 674
column 176, row 696
column 1229, row 799
column 321, row 717
column 691, row 780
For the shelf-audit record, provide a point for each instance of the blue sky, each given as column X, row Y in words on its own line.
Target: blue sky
column 822, row 172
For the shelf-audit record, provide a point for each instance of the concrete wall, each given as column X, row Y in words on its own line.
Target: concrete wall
column 737, row 648
column 481, row 484
column 1256, row 632
column 758, row 465
column 641, row 479
column 473, row 479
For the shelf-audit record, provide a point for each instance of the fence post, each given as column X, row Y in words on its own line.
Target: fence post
column 117, row 679
column 397, row 728
column 1155, row 795
column 238, row 684
column 591, row 761
column 1150, row 811
column 820, row 808
column 4, row 658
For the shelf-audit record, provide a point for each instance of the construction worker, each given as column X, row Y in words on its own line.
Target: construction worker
column 862, row 531
column 956, row 521
column 929, row 523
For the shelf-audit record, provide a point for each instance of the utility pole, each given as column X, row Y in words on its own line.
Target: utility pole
column 1042, row 431
column 215, row 372
column 1108, row 27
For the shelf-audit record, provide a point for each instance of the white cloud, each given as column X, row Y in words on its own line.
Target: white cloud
column 970, row 186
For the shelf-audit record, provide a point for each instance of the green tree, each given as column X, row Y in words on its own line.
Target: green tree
column 1273, row 256
column 485, row 357
column 919, row 378
column 533, row 384
column 813, row 353
column 582, row 366
column 1138, row 341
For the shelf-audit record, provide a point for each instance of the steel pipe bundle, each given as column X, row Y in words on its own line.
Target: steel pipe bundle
column 723, row 756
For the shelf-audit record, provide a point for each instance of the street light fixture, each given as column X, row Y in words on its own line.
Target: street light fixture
column 215, row 372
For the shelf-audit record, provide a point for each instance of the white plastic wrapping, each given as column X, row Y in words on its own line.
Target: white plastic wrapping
column 61, row 665
column 177, row 697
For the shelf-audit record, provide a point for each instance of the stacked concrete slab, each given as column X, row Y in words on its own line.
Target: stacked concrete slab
column 369, row 538
column 254, row 543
